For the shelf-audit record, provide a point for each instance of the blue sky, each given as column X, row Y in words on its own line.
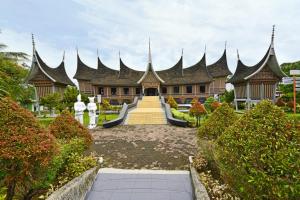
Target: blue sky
column 113, row 25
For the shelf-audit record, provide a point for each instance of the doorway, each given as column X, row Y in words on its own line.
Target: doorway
column 151, row 92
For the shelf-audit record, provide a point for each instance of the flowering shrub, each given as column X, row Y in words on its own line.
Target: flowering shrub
column 219, row 120
column 171, row 101
column 198, row 110
column 66, row 127
column 214, row 105
column 259, row 155
column 26, row 149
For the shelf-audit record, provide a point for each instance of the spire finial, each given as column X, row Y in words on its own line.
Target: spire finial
column 205, row 49
column 181, row 52
column 225, row 45
column 77, row 50
column 149, row 53
column 237, row 53
column 33, row 43
column 119, row 54
column 273, row 32
column 64, row 56
column 97, row 53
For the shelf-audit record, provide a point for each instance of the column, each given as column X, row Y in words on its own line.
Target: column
column 248, row 95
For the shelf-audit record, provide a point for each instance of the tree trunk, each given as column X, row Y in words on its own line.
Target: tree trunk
column 33, row 192
column 10, row 191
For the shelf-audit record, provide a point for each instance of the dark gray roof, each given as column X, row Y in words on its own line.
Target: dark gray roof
column 84, row 72
column 107, row 76
column 219, row 68
column 197, row 73
column 57, row 74
column 191, row 75
column 243, row 71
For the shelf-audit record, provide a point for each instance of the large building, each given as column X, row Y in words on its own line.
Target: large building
column 45, row 79
column 257, row 82
column 251, row 83
column 200, row 80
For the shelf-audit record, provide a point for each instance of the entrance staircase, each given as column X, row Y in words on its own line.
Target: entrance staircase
column 148, row 111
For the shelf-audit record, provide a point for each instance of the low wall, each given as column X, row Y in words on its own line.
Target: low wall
column 199, row 189
column 169, row 116
column 76, row 188
column 122, row 115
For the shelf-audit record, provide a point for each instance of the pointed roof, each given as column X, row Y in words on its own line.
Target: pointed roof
column 220, row 67
column 83, row 71
column 194, row 74
column 57, row 75
column 150, row 68
column 244, row 72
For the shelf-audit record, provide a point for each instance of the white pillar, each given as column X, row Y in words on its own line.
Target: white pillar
column 248, row 95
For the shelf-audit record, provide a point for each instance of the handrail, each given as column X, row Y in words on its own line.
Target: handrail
column 169, row 116
column 122, row 115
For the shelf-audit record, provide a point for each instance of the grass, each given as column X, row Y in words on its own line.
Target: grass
column 45, row 121
column 292, row 115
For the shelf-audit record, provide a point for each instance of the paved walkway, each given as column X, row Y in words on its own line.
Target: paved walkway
column 145, row 146
column 117, row 184
column 148, row 111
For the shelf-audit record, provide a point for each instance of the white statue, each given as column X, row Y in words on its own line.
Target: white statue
column 79, row 108
column 92, row 107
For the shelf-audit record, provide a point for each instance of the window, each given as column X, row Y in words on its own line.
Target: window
column 125, row 91
column 189, row 89
column 113, row 91
column 164, row 90
column 202, row 88
column 176, row 89
column 137, row 90
column 101, row 90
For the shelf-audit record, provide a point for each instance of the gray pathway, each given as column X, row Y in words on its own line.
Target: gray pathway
column 119, row 184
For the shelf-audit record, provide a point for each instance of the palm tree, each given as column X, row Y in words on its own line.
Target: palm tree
column 16, row 56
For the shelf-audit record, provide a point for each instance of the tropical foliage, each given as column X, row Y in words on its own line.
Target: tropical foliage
column 12, row 76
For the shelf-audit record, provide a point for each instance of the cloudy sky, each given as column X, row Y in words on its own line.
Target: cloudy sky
column 126, row 25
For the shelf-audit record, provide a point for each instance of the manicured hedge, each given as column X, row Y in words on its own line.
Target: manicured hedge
column 259, row 155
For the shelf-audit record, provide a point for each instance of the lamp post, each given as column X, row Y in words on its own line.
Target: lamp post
column 294, row 73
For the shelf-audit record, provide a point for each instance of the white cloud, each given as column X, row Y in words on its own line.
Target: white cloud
column 172, row 24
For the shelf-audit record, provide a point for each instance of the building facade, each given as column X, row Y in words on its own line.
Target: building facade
column 199, row 80
column 257, row 82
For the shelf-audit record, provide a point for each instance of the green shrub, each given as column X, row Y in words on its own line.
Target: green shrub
column 76, row 164
column 218, row 121
column 171, row 101
column 58, row 166
column 208, row 102
column 184, row 116
column 259, row 155
column 66, row 127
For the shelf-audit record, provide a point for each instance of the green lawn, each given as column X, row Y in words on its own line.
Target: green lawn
column 292, row 115
column 45, row 121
